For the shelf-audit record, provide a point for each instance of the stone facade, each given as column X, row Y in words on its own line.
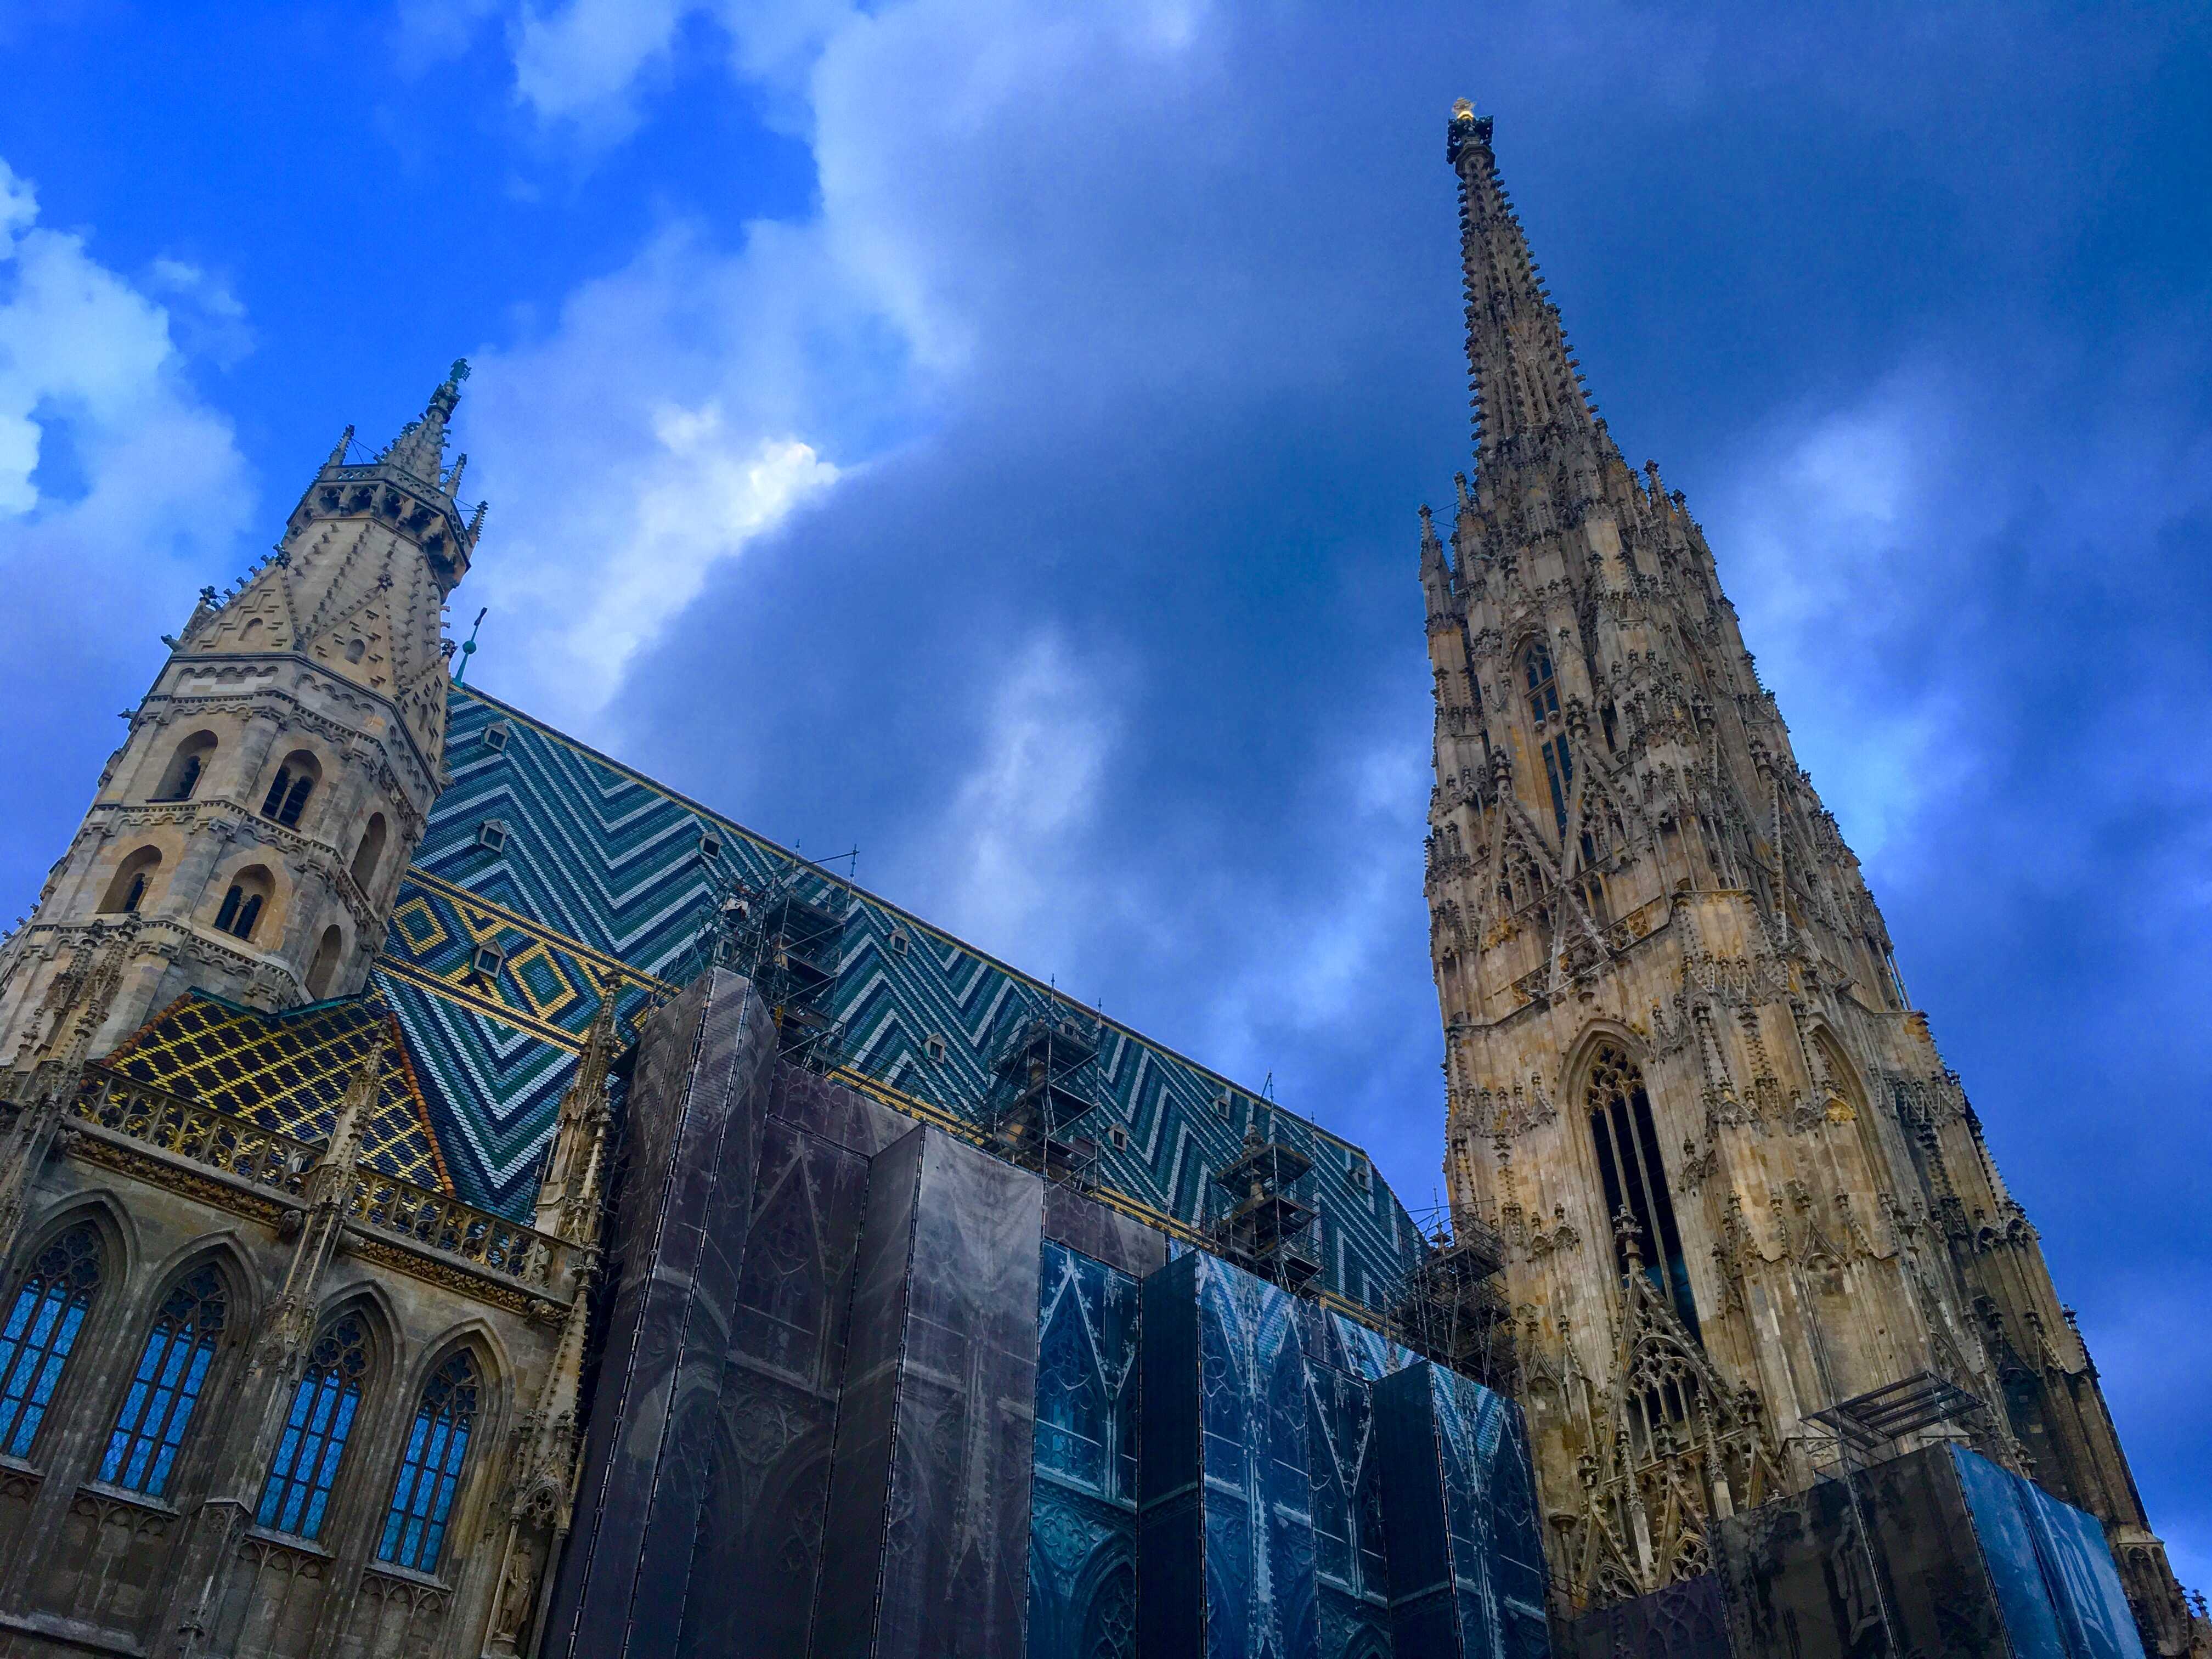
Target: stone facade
column 1734, row 1182
column 269, row 1388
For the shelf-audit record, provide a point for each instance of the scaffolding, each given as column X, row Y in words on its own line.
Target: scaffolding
column 1451, row 1306
column 1044, row 1065
column 1265, row 1223
column 789, row 944
column 1871, row 1426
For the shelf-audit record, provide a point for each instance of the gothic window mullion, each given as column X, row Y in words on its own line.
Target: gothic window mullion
column 1634, row 1174
column 1653, row 1192
column 165, row 1389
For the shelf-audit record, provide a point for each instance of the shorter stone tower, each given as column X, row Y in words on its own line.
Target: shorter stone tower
column 249, row 835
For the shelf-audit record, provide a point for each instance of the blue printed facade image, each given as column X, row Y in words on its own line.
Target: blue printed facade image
column 1083, row 1501
column 1268, row 1524
column 1468, row 1570
column 2056, row 1584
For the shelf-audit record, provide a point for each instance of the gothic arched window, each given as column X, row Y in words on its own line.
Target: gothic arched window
column 1635, row 1177
column 187, row 767
column 325, row 963
column 297, row 1493
column 242, row 904
column 1544, row 709
column 133, row 877
column 1109, row 1623
column 1086, row 1374
column 422, row 1498
column 1543, row 685
column 173, row 1369
column 43, row 1321
column 1559, row 773
column 288, row 791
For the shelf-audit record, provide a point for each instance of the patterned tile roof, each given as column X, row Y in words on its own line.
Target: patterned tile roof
column 288, row 1072
column 597, row 877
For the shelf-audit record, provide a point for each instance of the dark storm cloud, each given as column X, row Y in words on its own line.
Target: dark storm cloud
column 1047, row 484
column 1901, row 302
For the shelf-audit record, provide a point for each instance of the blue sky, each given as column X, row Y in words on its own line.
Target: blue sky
column 989, row 433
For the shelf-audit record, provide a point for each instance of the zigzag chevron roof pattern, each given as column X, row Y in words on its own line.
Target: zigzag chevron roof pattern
column 591, row 877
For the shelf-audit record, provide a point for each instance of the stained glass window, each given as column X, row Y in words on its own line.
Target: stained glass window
column 1543, row 686
column 173, row 1369
column 324, row 1403
column 1635, row 1177
column 422, row 1498
column 1559, row 773
column 43, row 1321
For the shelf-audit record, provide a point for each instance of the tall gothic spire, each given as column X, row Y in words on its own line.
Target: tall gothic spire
column 1525, row 384
column 420, row 448
column 1638, row 901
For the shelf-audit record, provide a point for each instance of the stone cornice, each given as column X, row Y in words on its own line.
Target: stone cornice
column 164, row 705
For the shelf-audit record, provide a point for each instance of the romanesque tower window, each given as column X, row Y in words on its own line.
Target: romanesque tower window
column 133, row 877
column 43, row 1321
column 1635, row 1177
column 243, row 904
column 173, row 1369
column 370, row 853
column 326, row 964
column 297, row 1494
column 437, row 1444
column 187, row 767
column 287, row 793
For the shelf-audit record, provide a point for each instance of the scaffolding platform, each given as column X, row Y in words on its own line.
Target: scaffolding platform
column 1451, row 1306
column 789, row 942
column 1267, row 1224
column 1044, row 1081
column 1870, row 1423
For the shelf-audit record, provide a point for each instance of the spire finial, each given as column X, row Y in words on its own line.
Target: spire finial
column 469, row 645
column 338, row 453
column 1527, row 392
column 420, row 448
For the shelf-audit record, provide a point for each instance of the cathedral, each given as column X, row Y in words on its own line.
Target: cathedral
column 461, row 1197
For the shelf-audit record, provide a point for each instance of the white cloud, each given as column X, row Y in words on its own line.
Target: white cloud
column 1012, row 843
column 583, row 59
column 698, row 502
column 581, row 64
column 207, row 319
column 92, row 387
column 1836, row 523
